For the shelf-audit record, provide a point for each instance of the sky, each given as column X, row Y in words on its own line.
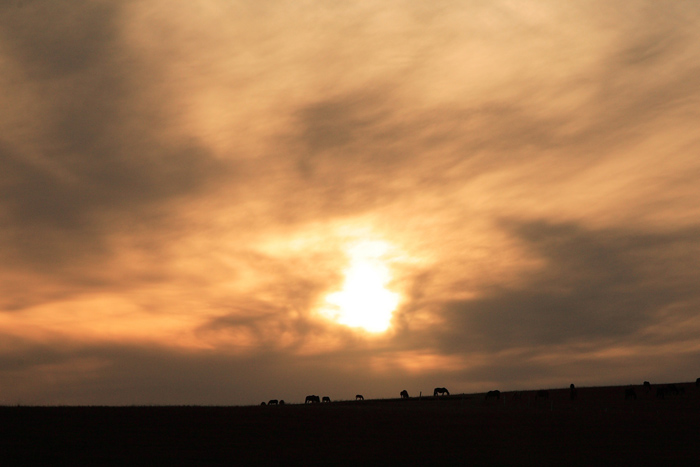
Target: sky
column 227, row 202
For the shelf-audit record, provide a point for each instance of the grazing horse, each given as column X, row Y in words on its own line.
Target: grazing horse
column 326, row 399
column 312, row 399
column 630, row 394
column 572, row 392
column 542, row 393
column 404, row 394
column 441, row 391
column 647, row 386
column 263, row 403
column 496, row 394
column 273, row 402
column 359, row 397
column 282, row 402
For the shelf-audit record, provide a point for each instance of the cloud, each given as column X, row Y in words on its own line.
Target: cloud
column 594, row 286
column 179, row 184
column 88, row 160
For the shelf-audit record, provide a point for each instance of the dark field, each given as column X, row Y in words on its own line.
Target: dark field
column 600, row 427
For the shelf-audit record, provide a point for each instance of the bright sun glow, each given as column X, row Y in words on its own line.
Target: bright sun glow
column 364, row 301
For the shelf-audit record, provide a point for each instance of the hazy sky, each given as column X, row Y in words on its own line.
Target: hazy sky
column 199, row 201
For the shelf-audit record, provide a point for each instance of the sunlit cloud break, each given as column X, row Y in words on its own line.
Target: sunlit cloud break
column 364, row 300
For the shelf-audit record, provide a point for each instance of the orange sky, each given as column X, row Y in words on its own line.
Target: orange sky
column 183, row 188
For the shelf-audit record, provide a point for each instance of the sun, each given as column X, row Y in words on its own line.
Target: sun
column 364, row 300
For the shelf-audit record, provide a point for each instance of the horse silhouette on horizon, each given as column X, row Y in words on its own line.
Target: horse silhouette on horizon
column 495, row 394
column 441, row 392
column 359, row 397
column 312, row 399
column 404, row 394
column 573, row 394
column 273, row 402
column 326, row 399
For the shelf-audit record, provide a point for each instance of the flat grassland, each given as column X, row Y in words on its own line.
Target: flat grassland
column 599, row 427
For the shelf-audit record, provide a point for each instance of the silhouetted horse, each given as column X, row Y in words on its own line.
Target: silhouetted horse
column 542, row 394
column 697, row 383
column 404, row 394
column 273, row 402
column 630, row 394
column 441, row 391
column 647, row 386
column 359, row 397
column 312, row 399
column 572, row 392
column 326, row 399
column 263, row 403
column 282, row 402
column 496, row 394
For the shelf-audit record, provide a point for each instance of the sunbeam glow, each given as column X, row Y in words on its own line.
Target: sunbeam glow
column 364, row 301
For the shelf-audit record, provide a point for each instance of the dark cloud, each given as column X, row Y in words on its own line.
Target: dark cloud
column 94, row 156
column 594, row 286
column 56, row 39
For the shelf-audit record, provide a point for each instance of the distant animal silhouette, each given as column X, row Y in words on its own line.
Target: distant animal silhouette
column 282, row 402
column 572, row 392
column 697, row 383
column 312, row 400
column 542, row 393
column 263, row 403
column 326, row 399
column 404, row 394
column 273, row 402
column 496, row 394
column 630, row 394
column 647, row 386
column 441, row 391
column 359, row 397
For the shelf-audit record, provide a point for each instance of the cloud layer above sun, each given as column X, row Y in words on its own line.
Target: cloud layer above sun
column 181, row 185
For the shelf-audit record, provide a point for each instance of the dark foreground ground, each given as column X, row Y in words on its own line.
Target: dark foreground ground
column 600, row 427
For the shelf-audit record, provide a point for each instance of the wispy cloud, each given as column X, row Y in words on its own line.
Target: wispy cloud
column 179, row 184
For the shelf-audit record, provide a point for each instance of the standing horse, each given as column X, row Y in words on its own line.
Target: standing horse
column 496, row 394
column 312, row 400
column 572, row 392
column 326, row 399
column 441, row 391
column 404, row 394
